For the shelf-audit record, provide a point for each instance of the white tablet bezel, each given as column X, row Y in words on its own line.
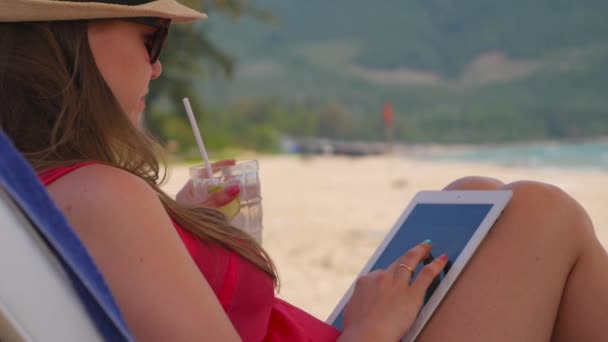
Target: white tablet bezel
column 498, row 199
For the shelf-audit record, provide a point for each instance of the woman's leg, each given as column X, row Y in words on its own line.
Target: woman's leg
column 540, row 274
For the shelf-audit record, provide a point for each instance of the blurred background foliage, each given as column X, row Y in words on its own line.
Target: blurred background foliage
column 466, row 71
column 189, row 58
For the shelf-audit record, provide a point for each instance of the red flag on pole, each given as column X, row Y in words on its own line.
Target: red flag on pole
column 388, row 114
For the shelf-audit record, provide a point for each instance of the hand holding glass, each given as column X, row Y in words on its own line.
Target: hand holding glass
column 245, row 211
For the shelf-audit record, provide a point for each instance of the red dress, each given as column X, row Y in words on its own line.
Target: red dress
column 245, row 292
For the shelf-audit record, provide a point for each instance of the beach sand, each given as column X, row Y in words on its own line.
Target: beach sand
column 325, row 216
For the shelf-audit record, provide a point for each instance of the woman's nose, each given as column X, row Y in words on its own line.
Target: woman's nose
column 157, row 69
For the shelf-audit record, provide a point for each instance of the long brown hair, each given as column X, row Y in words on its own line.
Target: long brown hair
column 59, row 111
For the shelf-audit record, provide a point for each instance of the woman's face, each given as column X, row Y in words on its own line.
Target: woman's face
column 120, row 54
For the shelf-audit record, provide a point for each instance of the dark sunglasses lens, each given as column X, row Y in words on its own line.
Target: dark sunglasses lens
column 156, row 44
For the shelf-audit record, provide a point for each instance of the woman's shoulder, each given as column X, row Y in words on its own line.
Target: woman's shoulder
column 93, row 174
column 96, row 191
column 100, row 181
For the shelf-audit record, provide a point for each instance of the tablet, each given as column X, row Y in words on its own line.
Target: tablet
column 456, row 222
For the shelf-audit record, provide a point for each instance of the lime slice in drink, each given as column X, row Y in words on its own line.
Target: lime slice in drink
column 231, row 209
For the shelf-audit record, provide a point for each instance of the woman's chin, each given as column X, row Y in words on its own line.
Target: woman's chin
column 136, row 117
column 136, row 114
column 139, row 119
column 141, row 106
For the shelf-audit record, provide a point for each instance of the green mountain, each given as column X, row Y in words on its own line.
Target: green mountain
column 455, row 71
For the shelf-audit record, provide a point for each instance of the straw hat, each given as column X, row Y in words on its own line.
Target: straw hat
column 52, row 10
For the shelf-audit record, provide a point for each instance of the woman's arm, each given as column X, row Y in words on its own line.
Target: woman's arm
column 160, row 291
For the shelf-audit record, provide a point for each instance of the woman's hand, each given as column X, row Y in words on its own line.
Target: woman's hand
column 385, row 303
column 188, row 196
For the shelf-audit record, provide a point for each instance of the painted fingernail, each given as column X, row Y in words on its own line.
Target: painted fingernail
column 443, row 257
column 233, row 190
column 428, row 242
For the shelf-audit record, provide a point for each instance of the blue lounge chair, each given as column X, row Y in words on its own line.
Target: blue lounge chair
column 50, row 289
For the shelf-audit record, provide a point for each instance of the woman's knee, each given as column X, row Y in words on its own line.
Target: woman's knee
column 546, row 205
column 536, row 208
column 543, row 196
column 475, row 183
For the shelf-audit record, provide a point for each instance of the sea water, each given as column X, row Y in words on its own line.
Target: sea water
column 592, row 155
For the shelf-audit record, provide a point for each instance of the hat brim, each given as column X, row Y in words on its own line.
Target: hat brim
column 53, row 10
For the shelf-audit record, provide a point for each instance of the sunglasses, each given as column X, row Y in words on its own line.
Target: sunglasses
column 156, row 41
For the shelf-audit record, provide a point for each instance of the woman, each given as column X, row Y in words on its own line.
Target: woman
column 73, row 85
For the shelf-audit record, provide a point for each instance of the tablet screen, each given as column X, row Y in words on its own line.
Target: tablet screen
column 449, row 226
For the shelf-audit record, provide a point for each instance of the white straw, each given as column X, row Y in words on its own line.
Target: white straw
column 199, row 138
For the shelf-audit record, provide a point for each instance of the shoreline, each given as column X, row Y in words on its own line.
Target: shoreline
column 586, row 156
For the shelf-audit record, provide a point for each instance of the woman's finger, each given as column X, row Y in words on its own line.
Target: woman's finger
column 428, row 273
column 404, row 267
column 222, row 164
column 186, row 195
column 224, row 196
column 215, row 167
